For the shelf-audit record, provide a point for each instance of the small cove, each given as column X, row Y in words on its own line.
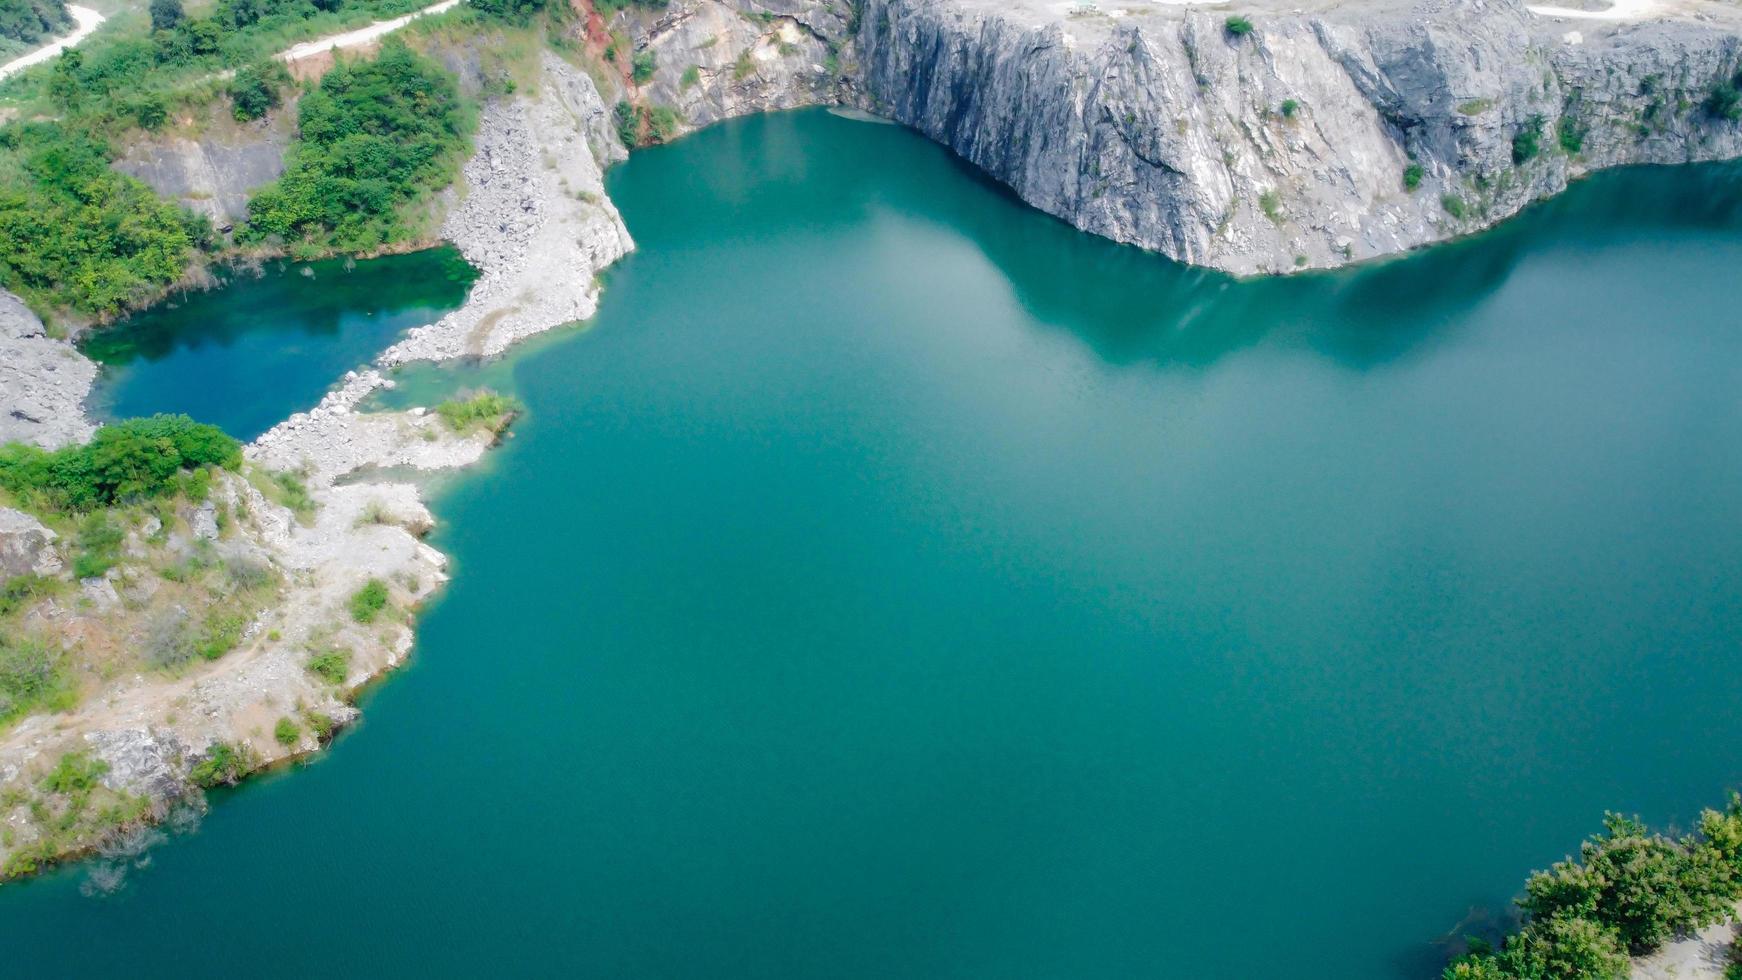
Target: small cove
column 893, row 582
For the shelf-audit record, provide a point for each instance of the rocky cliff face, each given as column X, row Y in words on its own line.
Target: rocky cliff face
column 216, row 173
column 43, row 382
column 1295, row 144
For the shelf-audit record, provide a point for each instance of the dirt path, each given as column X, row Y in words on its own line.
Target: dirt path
column 362, row 35
column 1618, row 10
column 85, row 20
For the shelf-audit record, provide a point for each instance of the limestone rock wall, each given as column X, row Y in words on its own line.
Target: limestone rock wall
column 214, row 174
column 1288, row 147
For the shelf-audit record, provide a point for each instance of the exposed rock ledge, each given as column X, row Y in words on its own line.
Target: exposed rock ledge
column 538, row 226
column 1287, row 147
column 44, row 381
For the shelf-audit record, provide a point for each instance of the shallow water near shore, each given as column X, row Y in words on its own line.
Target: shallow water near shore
column 892, row 582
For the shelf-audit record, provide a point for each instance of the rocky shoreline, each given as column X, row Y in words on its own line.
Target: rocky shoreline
column 537, row 226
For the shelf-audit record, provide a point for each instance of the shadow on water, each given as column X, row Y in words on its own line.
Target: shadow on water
column 261, row 346
column 1382, row 311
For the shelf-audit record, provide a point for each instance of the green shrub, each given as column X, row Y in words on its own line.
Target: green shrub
column 1237, row 26
column 1454, row 206
column 166, row 14
column 1644, row 887
column 644, row 65
column 224, row 764
column 100, row 538
column 1412, row 176
column 515, row 11
column 150, row 112
column 1724, row 101
column 31, row 21
column 77, row 235
column 744, row 67
column 628, row 124
column 1527, row 142
column 375, row 139
column 1270, row 202
column 1628, row 892
column 662, row 123
column 1289, row 108
column 220, row 632
column 20, row 591
column 368, row 601
column 76, row 772
column 287, row 732
column 292, row 492
column 32, row 675
column 692, row 76
column 253, row 90
column 332, row 666
column 132, row 460
column 1570, row 134
column 321, row 725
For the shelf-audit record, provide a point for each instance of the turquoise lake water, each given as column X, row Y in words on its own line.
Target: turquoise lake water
column 267, row 345
column 893, row 582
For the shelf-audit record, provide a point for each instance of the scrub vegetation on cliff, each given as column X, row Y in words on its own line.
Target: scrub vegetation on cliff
column 1627, row 893
column 375, row 139
column 76, row 235
column 80, row 240
column 134, row 510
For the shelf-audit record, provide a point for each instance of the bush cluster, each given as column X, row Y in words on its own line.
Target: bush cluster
column 76, row 234
column 375, row 137
column 132, row 460
column 1725, row 99
column 368, row 601
column 1527, row 142
column 32, row 675
column 1627, row 893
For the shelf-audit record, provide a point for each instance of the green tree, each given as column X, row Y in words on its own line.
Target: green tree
column 1643, row 886
column 165, row 14
column 253, row 90
column 1564, row 948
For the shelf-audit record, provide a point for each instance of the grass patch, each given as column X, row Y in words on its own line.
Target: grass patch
column 1270, row 202
column 368, row 602
column 1475, row 107
column 223, row 765
column 287, row 732
column 1454, row 206
column 692, row 76
column 1412, row 176
column 483, row 409
column 332, row 666
column 33, row 677
column 744, row 67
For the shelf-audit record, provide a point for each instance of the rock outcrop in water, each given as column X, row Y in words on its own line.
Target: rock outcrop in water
column 1295, row 144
